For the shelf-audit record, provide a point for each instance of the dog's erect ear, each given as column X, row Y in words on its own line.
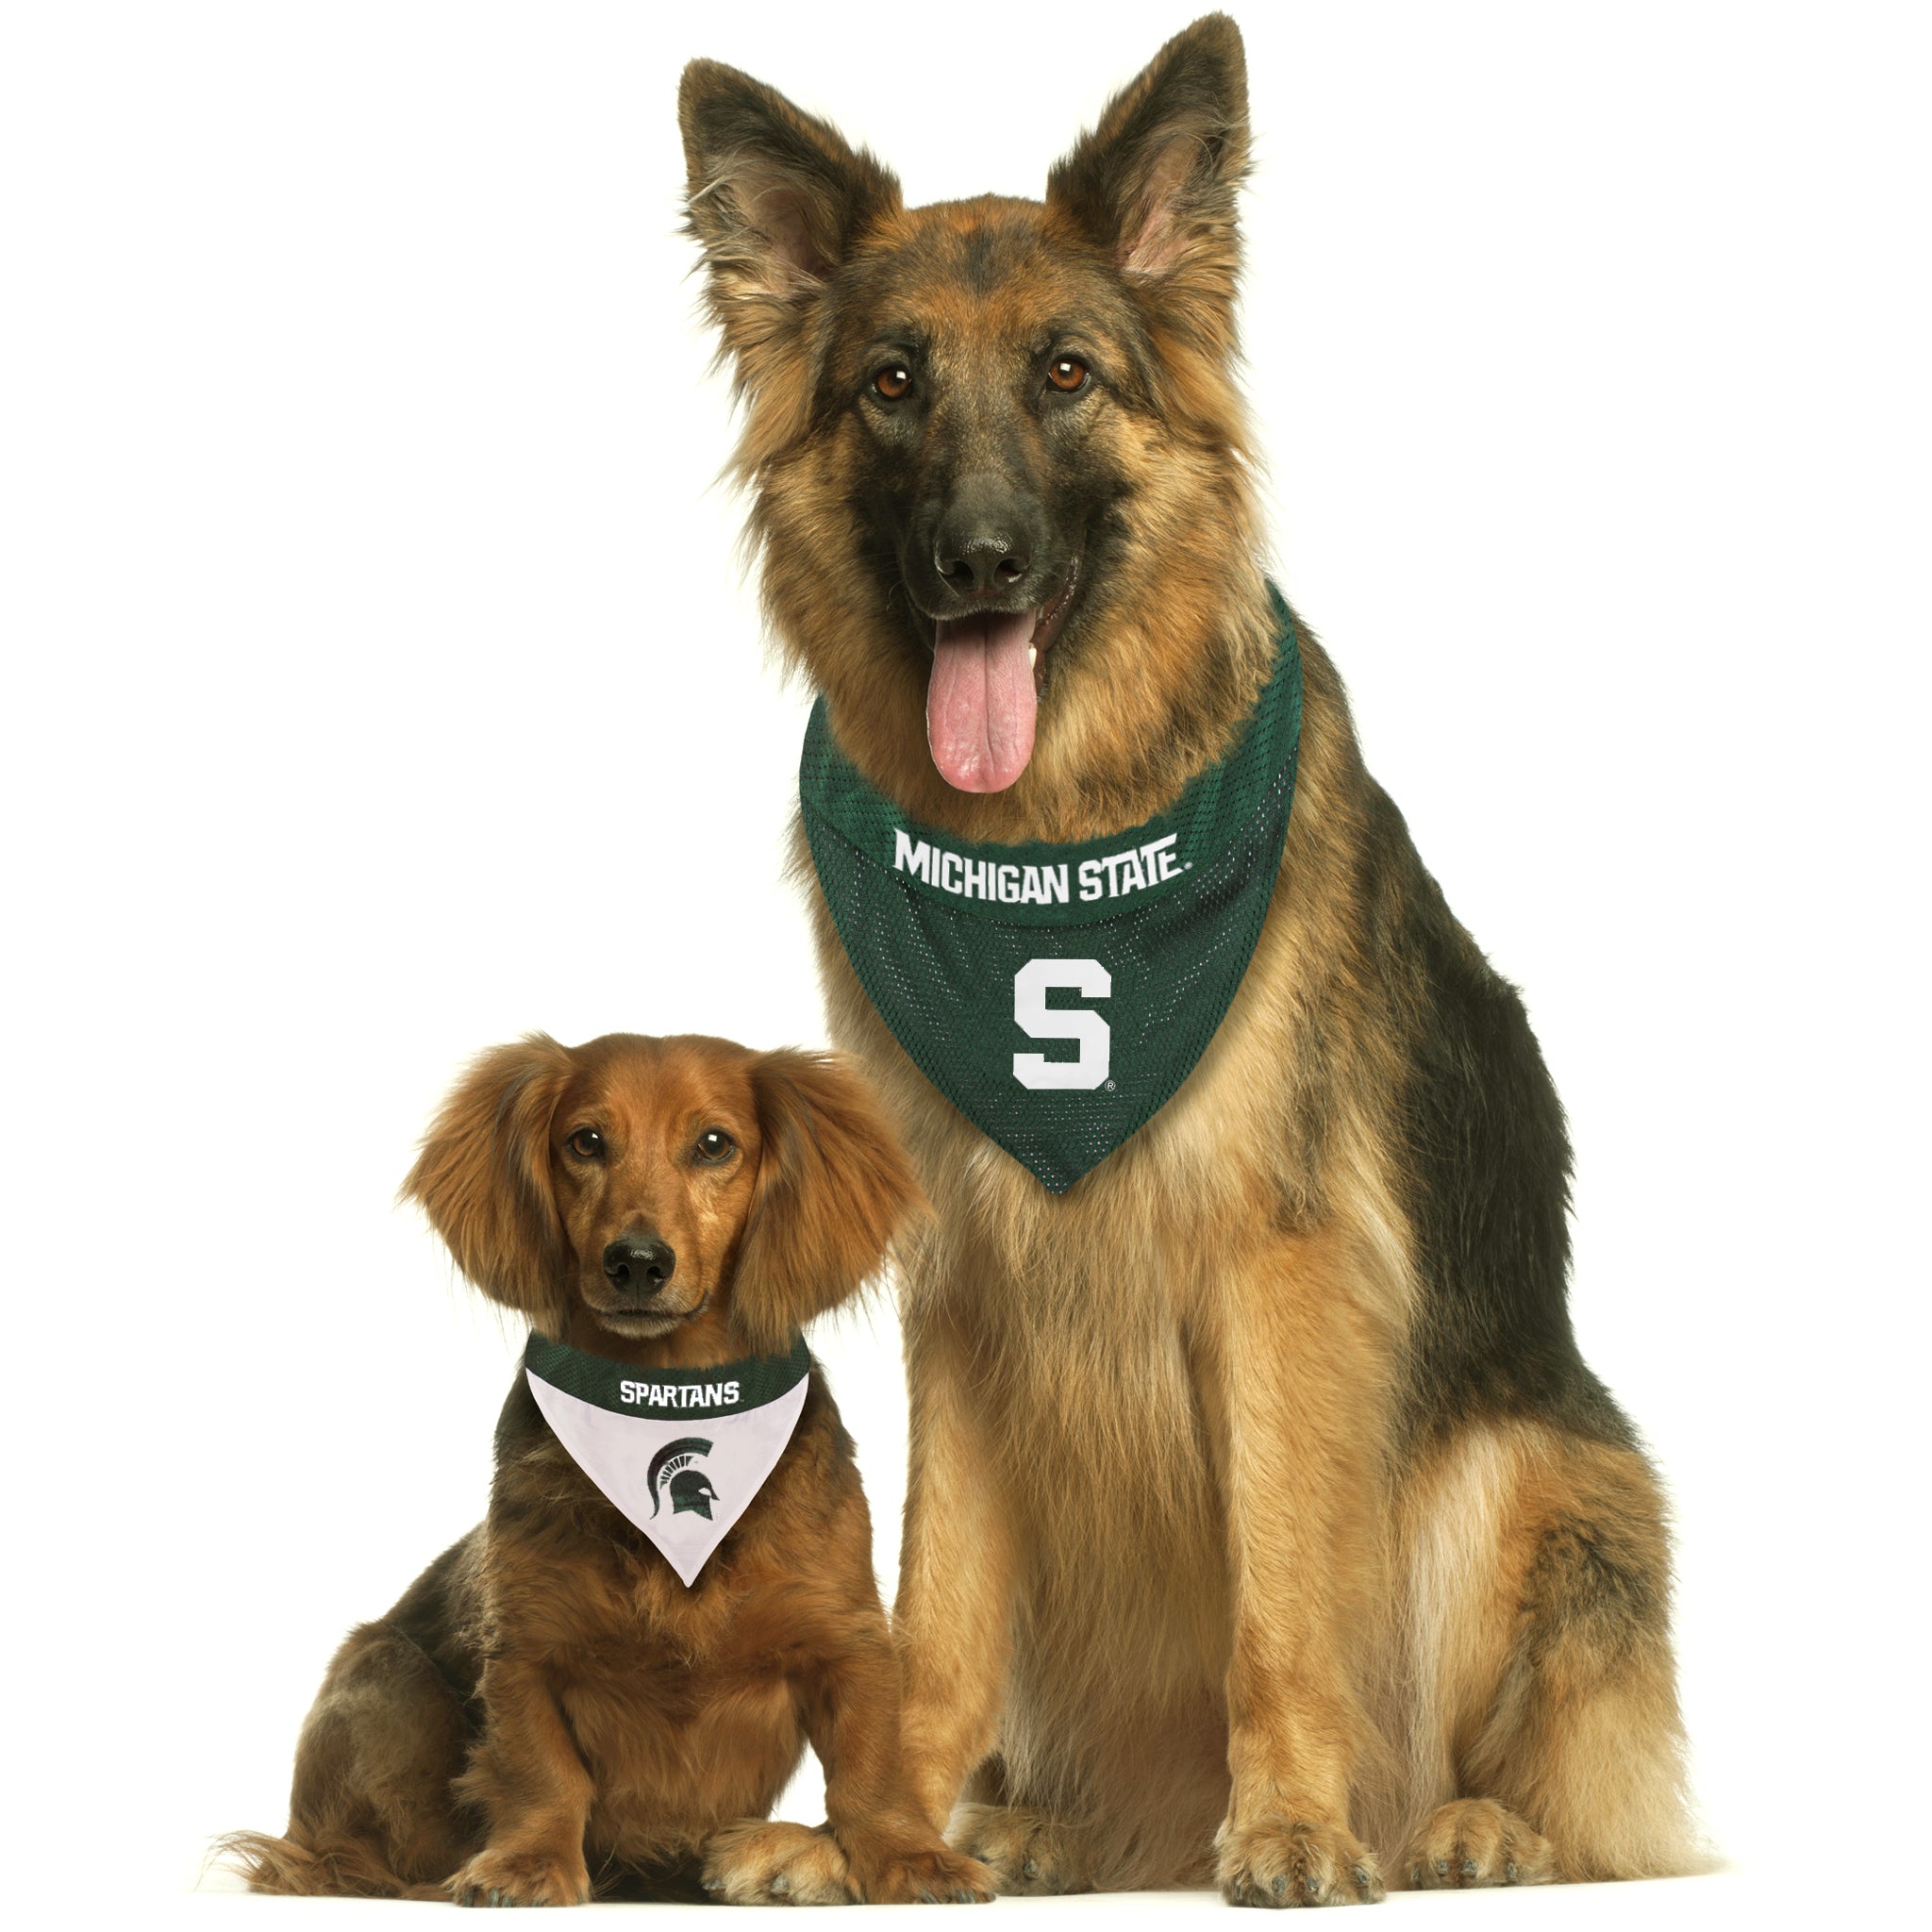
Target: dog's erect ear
column 776, row 198
column 483, row 1176
column 834, row 1187
column 775, row 195
column 1154, row 183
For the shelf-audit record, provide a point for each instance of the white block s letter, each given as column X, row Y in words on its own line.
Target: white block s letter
column 1037, row 1021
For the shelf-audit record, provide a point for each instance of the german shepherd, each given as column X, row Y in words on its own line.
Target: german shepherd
column 1347, row 1556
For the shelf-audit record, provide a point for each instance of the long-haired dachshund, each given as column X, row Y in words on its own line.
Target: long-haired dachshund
column 550, row 1711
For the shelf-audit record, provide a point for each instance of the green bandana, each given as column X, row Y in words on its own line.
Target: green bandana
column 681, row 1452
column 1127, row 950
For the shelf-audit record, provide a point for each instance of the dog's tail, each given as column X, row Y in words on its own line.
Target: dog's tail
column 338, row 1864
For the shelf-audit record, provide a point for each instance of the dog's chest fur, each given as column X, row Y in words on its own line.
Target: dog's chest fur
column 1078, row 1310
column 669, row 1691
column 1081, row 1313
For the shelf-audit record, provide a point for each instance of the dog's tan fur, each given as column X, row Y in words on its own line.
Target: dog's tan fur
column 1341, row 1555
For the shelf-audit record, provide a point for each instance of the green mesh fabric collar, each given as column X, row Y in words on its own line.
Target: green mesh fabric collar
column 1128, row 948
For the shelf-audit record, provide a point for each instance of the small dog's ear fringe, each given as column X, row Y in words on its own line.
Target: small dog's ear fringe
column 834, row 1187
column 483, row 1178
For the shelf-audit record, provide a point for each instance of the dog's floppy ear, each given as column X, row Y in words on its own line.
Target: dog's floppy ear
column 834, row 1187
column 1156, row 182
column 776, row 198
column 483, row 1176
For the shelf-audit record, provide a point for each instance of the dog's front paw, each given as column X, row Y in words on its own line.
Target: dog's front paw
column 1028, row 1851
column 755, row 1863
column 1475, row 1841
column 521, row 1878
column 1280, row 1861
column 909, row 1874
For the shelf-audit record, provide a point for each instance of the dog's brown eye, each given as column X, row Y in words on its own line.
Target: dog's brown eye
column 714, row 1143
column 1067, row 372
column 894, row 381
column 587, row 1143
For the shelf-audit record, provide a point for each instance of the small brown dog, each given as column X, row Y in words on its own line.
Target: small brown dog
column 550, row 1712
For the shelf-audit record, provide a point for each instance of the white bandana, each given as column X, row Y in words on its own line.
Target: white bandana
column 681, row 1452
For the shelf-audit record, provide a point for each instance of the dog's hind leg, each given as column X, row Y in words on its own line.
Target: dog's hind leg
column 1114, row 1839
column 1567, row 1762
column 1031, row 1850
column 370, row 1814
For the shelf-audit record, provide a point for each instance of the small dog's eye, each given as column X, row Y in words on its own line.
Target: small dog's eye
column 1067, row 373
column 894, row 381
column 714, row 1143
column 587, row 1143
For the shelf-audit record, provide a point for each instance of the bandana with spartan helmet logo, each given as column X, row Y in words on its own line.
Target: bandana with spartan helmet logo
column 681, row 1452
column 1058, row 995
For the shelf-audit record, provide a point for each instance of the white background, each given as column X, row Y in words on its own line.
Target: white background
column 381, row 684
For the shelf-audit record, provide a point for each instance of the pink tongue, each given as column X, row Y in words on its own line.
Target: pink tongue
column 979, row 705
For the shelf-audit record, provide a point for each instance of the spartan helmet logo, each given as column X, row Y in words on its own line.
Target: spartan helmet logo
column 670, row 1470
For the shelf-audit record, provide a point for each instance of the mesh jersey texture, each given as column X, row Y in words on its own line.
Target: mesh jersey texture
column 1173, row 929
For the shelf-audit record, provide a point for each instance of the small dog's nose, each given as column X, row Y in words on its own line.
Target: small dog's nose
column 640, row 1264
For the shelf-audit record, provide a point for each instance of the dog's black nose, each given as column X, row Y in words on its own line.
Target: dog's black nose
column 982, row 561
column 640, row 1264
column 984, row 543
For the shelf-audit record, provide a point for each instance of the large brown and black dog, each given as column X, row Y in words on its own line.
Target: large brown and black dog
column 1344, row 1556
column 549, row 1712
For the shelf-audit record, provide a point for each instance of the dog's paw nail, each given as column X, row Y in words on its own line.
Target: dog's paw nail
column 1031, row 1869
column 1509, row 1875
column 1469, row 1868
column 963, row 1897
column 714, row 1885
column 1441, row 1868
column 1280, row 1885
column 1360, row 1874
column 780, row 1884
column 1312, row 1886
column 1415, row 1874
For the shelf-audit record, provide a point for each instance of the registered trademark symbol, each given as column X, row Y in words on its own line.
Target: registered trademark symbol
column 1109, row 1086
